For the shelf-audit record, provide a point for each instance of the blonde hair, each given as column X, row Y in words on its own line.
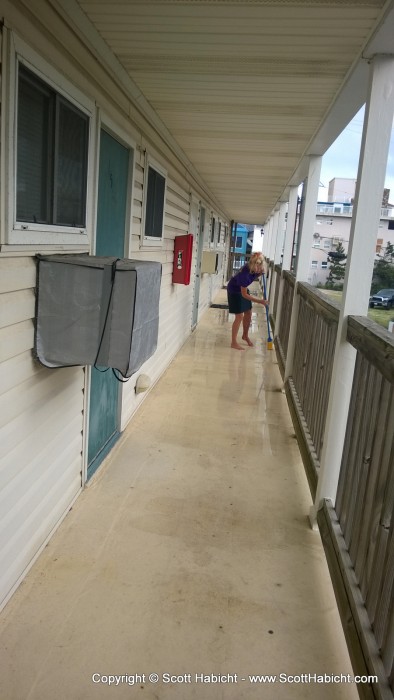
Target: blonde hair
column 255, row 258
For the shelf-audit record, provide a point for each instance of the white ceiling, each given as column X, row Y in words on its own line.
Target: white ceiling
column 246, row 88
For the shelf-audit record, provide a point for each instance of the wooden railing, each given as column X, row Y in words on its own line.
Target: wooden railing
column 309, row 384
column 358, row 530
column 365, row 500
column 282, row 332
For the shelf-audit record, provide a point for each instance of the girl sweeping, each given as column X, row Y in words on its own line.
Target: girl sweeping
column 240, row 300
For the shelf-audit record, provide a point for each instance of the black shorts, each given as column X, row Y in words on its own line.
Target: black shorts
column 237, row 304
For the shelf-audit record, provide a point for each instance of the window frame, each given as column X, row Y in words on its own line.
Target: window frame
column 220, row 238
column 20, row 235
column 212, row 238
column 207, row 228
column 149, row 242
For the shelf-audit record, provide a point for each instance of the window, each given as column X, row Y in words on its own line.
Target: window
column 324, row 265
column 391, row 224
column 213, row 229
column 238, row 242
column 154, row 208
column 314, row 264
column 155, row 196
column 52, row 156
column 327, row 243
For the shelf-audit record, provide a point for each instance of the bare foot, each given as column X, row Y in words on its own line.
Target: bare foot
column 248, row 341
column 235, row 346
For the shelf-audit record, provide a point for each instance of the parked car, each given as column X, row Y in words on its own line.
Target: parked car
column 383, row 299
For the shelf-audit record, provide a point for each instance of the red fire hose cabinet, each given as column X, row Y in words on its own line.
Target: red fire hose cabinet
column 183, row 252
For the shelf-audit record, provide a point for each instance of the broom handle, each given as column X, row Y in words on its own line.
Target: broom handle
column 264, row 288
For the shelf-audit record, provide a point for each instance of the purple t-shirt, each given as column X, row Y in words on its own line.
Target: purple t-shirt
column 242, row 279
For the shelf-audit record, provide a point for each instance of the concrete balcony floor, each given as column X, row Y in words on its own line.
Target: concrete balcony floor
column 189, row 553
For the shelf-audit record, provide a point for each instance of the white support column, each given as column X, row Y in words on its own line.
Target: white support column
column 274, row 234
column 287, row 249
column 365, row 222
column 280, row 235
column 305, row 239
column 264, row 243
column 267, row 234
column 291, row 220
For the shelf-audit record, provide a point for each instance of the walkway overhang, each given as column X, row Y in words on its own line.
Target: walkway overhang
column 243, row 91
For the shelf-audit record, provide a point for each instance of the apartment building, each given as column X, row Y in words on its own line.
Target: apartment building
column 332, row 226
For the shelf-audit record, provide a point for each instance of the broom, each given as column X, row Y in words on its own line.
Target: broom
column 269, row 339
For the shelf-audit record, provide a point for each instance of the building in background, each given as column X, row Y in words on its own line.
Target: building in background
column 342, row 189
column 333, row 222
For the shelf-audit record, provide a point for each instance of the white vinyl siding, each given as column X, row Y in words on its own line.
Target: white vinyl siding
column 176, row 300
column 42, row 426
column 40, row 430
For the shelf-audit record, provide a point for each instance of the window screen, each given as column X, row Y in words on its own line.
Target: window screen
column 52, row 154
column 154, row 204
column 71, row 166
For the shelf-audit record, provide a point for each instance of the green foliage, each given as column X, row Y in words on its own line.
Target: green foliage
column 335, row 286
column 381, row 316
column 383, row 272
column 389, row 252
column 337, row 270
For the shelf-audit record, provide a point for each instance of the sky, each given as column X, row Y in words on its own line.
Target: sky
column 341, row 160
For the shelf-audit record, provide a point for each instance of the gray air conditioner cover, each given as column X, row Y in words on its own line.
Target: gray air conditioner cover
column 94, row 310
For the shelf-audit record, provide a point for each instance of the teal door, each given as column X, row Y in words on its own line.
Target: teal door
column 110, row 240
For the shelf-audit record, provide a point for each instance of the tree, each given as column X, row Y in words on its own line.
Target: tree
column 383, row 271
column 389, row 252
column 337, row 267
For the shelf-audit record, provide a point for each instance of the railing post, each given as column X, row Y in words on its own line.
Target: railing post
column 370, row 183
column 305, row 238
column 287, row 250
